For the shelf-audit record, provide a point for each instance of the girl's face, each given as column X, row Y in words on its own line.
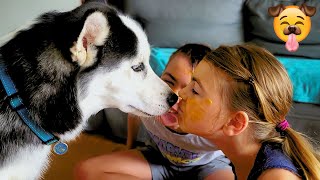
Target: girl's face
column 178, row 72
column 201, row 109
column 177, row 75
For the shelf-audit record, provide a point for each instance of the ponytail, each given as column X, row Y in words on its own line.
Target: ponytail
column 301, row 151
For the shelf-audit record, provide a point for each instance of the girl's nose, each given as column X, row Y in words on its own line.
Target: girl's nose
column 182, row 94
column 175, row 106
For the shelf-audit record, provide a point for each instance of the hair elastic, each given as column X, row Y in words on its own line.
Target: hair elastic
column 282, row 126
column 251, row 80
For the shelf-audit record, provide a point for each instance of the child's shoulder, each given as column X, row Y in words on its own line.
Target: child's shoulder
column 277, row 173
column 272, row 158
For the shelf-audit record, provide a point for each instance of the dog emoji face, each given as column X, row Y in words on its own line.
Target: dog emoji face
column 292, row 24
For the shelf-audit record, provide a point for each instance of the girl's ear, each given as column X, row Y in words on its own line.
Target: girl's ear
column 237, row 124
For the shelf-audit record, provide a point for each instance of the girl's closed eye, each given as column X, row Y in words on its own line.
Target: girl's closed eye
column 194, row 91
column 193, row 85
column 170, row 83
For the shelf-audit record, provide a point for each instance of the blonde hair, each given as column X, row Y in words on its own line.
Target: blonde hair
column 261, row 87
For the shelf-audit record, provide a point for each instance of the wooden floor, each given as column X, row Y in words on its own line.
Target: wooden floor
column 84, row 147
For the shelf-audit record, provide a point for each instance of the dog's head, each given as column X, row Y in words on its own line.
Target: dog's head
column 292, row 23
column 113, row 53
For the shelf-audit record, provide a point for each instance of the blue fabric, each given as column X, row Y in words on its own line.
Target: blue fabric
column 271, row 156
column 305, row 76
column 304, row 73
column 159, row 58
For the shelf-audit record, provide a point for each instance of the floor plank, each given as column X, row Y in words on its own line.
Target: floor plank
column 84, row 147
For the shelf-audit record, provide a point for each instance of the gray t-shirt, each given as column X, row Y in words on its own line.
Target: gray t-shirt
column 181, row 150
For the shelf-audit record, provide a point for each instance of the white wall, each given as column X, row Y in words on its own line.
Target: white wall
column 14, row 14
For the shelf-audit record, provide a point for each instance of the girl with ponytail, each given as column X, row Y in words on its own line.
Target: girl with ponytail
column 238, row 99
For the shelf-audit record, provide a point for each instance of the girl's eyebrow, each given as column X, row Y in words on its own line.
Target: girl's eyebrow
column 172, row 77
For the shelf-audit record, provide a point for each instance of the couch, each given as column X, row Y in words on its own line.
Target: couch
column 172, row 23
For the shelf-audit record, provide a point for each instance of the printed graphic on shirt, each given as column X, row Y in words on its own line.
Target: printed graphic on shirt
column 174, row 153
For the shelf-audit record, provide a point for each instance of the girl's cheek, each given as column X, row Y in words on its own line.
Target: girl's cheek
column 188, row 72
column 196, row 109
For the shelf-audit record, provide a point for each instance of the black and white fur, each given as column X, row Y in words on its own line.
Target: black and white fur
column 67, row 67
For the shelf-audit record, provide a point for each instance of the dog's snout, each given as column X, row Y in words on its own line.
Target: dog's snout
column 172, row 99
column 292, row 29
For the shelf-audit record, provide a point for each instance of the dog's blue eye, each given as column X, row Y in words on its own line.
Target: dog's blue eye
column 138, row 68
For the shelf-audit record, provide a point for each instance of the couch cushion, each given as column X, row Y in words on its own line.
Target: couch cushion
column 305, row 118
column 159, row 58
column 172, row 23
column 304, row 74
column 259, row 28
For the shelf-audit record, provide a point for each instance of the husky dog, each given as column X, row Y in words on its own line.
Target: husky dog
column 67, row 67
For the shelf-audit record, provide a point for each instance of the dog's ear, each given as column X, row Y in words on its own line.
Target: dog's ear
column 276, row 10
column 307, row 10
column 94, row 33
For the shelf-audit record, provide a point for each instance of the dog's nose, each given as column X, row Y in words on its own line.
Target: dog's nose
column 172, row 99
column 292, row 29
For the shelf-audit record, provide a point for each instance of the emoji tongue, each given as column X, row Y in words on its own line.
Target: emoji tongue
column 292, row 44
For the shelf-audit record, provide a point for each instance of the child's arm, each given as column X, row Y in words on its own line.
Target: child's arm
column 133, row 129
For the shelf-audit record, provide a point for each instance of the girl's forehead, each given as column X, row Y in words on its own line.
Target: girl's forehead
column 204, row 69
column 179, row 62
column 208, row 76
column 203, row 72
column 179, row 58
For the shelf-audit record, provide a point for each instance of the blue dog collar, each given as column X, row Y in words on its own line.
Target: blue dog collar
column 17, row 105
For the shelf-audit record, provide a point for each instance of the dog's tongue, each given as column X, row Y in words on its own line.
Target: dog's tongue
column 169, row 119
column 292, row 43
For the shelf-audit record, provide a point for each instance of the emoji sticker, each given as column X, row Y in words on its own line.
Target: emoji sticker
column 292, row 24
